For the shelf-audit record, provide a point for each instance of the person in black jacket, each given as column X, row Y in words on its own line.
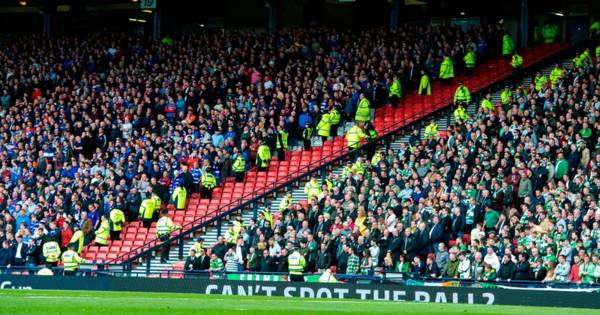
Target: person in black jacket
column 423, row 245
column 192, row 263
column 522, row 268
column 265, row 262
column 282, row 261
column 458, row 224
column 431, row 268
column 409, row 245
column 507, row 269
column 436, row 233
column 538, row 272
column 19, row 252
column 418, row 266
column 323, row 258
column 5, row 255
column 395, row 244
column 203, row 260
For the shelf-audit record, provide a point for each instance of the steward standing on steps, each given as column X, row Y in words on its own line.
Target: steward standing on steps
column 487, row 103
column 71, row 260
column 371, row 135
column 555, row 75
column 335, row 118
column 164, row 227
column 363, row 111
column 470, row 61
column 431, row 131
column 446, row 70
column 51, row 252
column 324, row 127
column 395, row 91
column 307, row 134
column 179, row 196
column 103, row 232
column 116, row 218
column 147, row 209
column 281, row 143
column 296, row 264
column 239, row 168
column 462, row 94
column 508, row 45
column 208, row 182
column 516, row 62
column 263, row 156
column 540, row 81
column 460, row 114
column 354, row 135
column 424, row 85
column 506, row 98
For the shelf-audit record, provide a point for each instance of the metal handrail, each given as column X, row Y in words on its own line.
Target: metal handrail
column 305, row 171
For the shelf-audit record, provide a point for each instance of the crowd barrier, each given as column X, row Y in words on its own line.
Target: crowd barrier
column 500, row 295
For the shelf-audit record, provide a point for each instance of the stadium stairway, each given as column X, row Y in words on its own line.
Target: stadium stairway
column 298, row 195
column 413, row 107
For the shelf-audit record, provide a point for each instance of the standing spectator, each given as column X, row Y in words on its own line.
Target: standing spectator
column 353, row 265
column 507, row 268
column 522, row 268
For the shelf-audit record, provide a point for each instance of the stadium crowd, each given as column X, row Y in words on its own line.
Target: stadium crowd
column 108, row 122
column 509, row 194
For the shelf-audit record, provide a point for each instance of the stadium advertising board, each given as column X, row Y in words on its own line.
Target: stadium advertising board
column 384, row 292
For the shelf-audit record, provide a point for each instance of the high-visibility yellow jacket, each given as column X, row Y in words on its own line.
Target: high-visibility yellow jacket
column 487, row 104
column 307, row 133
column 447, row 69
column 296, row 263
column 469, row 59
column 239, row 165
column 424, row 85
column 516, row 61
column 116, row 219
column 77, row 239
column 507, row 45
column 324, row 125
column 460, row 114
column 540, row 81
column 359, row 168
column 51, row 251
column 462, row 94
column 505, row 97
column 282, row 140
column 157, row 201
column 263, row 156
column 363, row 111
column 102, row 233
column 335, row 116
column 147, row 208
column 431, row 131
column 179, row 196
column 312, row 189
column 71, row 260
column 353, row 136
column 285, row 203
column 395, row 89
column 208, row 181
column 165, row 226
column 555, row 74
column 377, row 157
